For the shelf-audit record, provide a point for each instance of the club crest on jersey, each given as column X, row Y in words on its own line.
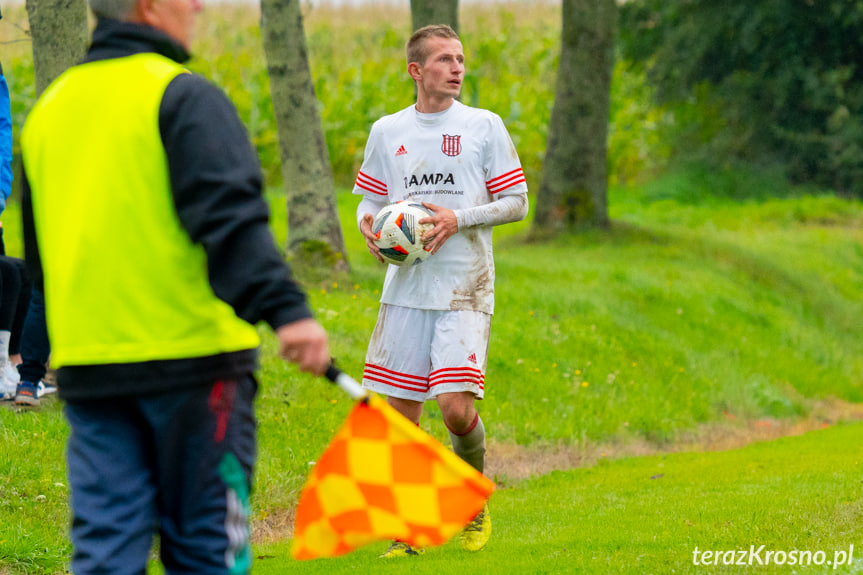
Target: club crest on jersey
column 451, row 145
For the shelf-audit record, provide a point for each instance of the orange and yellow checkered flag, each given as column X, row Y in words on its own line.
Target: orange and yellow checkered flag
column 382, row 478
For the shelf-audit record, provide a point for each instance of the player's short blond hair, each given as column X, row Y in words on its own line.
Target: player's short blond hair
column 416, row 46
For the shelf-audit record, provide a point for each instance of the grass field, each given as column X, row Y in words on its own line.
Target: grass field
column 718, row 308
column 682, row 327
column 649, row 515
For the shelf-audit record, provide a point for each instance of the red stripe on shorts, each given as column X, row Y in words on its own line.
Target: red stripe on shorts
column 394, row 378
column 457, row 375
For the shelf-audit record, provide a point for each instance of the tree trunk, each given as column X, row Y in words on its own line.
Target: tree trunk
column 315, row 241
column 60, row 37
column 574, row 188
column 425, row 12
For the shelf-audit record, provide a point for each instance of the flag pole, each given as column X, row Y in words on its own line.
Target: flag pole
column 345, row 382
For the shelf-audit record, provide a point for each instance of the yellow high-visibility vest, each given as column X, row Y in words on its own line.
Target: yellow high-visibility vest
column 123, row 281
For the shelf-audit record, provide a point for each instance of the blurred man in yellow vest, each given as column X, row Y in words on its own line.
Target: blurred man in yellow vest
column 144, row 215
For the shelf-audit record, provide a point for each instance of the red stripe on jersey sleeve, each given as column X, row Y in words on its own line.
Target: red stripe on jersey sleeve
column 505, row 181
column 370, row 184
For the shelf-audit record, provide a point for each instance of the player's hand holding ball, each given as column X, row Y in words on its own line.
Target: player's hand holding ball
column 398, row 234
column 444, row 225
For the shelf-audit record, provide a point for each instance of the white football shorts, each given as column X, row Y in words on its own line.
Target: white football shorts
column 419, row 354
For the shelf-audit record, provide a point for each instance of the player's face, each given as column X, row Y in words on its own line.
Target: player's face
column 176, row 18
column 441, row 76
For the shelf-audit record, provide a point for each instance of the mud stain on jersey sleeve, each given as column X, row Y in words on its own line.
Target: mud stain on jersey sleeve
column 510, row 210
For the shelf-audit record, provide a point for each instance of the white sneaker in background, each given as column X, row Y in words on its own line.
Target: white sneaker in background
column 7, row 390
column 10, row 372
column 44, row 388
column 9, row 379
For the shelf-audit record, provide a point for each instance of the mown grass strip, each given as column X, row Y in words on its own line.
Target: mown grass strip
column 649, row 515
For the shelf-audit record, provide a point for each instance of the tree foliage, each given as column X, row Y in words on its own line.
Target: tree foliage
column 788, row 75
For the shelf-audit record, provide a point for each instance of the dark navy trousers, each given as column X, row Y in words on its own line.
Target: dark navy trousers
column 175, row 464
column 35, row 347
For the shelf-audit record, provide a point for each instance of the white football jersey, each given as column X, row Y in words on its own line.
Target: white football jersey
column 459, row 158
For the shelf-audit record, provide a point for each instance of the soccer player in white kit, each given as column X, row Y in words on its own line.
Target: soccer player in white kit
column 431, row 337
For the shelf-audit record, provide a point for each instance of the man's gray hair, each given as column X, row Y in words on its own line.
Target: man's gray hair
column 116, row 9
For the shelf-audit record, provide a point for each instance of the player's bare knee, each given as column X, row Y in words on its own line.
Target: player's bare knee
column 458, row 412
column 460, row 425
